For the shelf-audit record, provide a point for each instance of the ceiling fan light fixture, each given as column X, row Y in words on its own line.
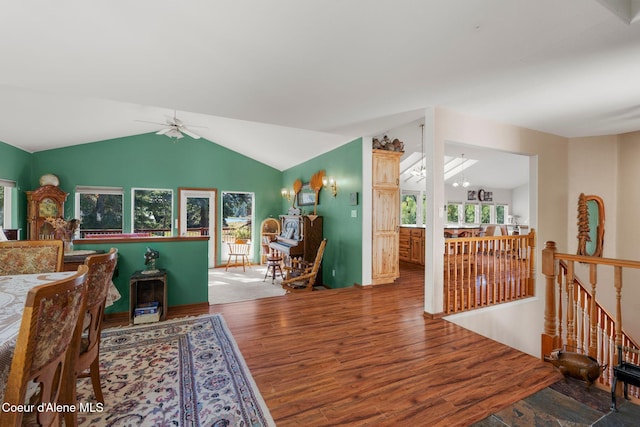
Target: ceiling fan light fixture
column 462, row 182
column 175, row 128
column 173, row 133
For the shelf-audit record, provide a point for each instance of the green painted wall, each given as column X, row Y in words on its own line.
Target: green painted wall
column 152, row 161
column 15, row 165
column 155, row 161
column 185, row 262
column 343, row 232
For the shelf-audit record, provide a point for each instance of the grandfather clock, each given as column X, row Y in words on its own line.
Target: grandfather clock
column 46, row 201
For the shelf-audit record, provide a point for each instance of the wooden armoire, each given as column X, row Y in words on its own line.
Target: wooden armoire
column 385, row 216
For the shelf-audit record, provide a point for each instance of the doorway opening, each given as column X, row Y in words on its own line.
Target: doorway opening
column 197, row 216
column 237, row 221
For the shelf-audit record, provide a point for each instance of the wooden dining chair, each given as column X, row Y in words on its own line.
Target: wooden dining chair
column 31, row 256
column 238, row 249
column 302, row 276
column 489, row 231
column 45, row 349
column 101, row 268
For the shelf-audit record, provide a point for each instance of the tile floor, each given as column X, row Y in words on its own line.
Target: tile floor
column 566, row 404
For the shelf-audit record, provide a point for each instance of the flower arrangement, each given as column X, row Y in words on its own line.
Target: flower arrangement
column 63, row 229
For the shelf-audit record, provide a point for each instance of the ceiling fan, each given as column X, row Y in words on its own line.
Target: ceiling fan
column 175, row 128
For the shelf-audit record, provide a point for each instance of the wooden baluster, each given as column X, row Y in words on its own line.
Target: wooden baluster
column 571, row 305
column 518, row 268
column 494, row 282
column 531, row 243
column 473, row 271
column 593, row 336
column 561, row 280
column 501, row 260
column 617, row 282
column 549, row 269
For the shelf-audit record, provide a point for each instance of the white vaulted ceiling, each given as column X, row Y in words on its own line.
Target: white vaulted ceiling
column 285, row 80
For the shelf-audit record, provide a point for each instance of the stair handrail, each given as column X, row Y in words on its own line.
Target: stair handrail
column 625, row 337
column 553, row 335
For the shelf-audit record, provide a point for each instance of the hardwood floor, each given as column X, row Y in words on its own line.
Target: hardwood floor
column 356, row 357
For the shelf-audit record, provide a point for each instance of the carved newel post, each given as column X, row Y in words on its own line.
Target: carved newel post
column 550, row 271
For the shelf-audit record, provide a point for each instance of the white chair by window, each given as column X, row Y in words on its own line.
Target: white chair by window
column 239, row 249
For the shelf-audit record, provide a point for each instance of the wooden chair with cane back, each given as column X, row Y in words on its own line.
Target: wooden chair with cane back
column 46, row 347
column 301, row 276
column 101, row 268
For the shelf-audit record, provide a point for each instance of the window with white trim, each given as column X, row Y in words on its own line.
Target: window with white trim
column 454, row 213
column 471, row 213
column 502, row 212
column 485, row 213
column 152, row 211
column 7, row 197
column 99, row 209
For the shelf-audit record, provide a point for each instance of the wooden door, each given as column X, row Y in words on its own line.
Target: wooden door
column 386, row 216
column 385, row 238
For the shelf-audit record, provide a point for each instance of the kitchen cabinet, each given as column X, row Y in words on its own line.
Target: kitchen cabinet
column 412, row 246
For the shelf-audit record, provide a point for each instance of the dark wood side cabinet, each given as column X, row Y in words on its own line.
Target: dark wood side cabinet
column 75, row 259
column 145, row 288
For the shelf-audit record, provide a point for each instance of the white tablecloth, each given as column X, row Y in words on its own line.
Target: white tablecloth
column 13, row 294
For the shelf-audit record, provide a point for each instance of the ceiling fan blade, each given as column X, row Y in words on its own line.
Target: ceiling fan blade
column 189, row 133
column 147, row 121
column 163, row 131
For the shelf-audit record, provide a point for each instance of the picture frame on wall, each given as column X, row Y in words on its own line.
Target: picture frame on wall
column 485, row 196
column 471, row 194
column 306, row 196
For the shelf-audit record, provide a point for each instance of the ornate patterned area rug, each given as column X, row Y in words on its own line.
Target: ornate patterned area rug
column 182, row 372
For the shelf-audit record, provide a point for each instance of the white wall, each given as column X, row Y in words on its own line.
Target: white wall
column 459, row 194
column 607, row 166
column 628, row 232
column 518, row 325
column 520, row 204
column 593, row 169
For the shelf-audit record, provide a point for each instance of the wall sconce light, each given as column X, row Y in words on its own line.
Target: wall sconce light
column 286, row 194
column 329, row 181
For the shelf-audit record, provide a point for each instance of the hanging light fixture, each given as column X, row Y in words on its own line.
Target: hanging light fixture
column 420, row 170
column 463, row 182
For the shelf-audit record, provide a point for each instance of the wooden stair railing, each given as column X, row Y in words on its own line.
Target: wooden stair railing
column 485, row 271
column 573, row 318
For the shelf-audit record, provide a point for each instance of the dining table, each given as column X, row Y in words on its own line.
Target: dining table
column 13, row 295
